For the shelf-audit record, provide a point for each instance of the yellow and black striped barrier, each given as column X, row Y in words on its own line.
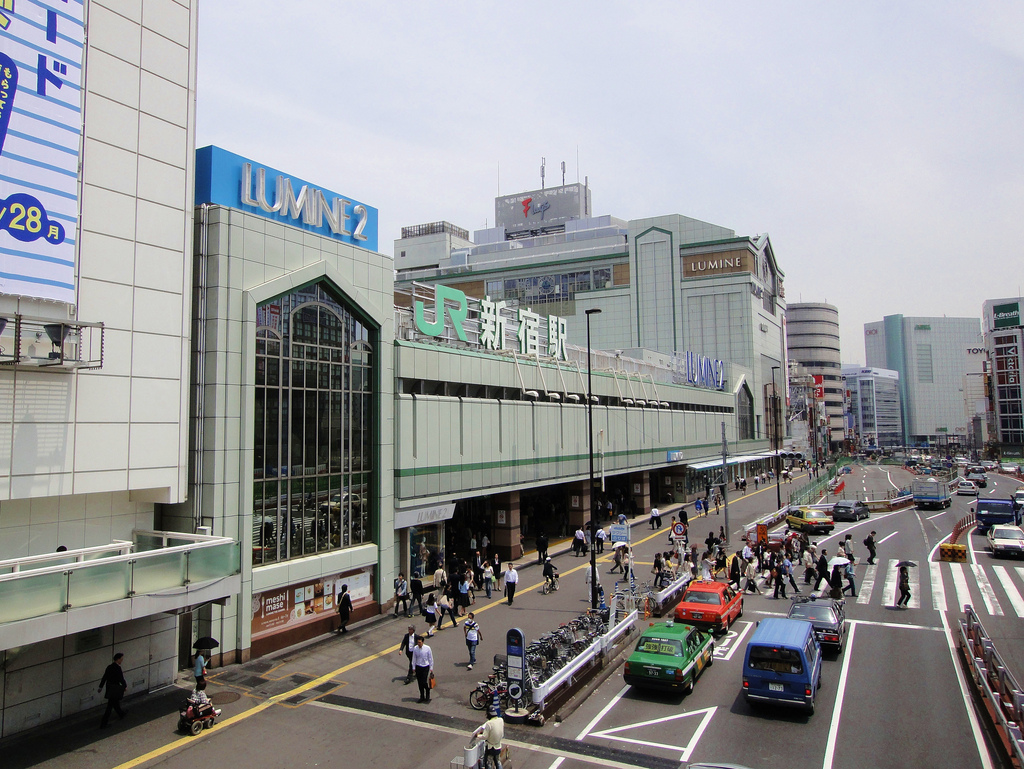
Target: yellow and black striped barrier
column 953, row 553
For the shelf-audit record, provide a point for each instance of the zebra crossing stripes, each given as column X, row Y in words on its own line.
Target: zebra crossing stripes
column 867, row 584
column 938, row 590
column 987, row 594
column 1011, row 590
column 963, row 594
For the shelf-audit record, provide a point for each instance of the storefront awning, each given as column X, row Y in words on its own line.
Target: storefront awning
column 729, row 461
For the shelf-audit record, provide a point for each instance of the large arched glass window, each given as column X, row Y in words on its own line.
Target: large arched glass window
column 745, row 413
column 314, row 437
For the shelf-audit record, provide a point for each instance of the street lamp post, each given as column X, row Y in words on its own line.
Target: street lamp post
column 590, row 449
column 775, row 438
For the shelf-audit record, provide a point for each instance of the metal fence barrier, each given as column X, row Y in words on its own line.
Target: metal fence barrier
column 999, row 690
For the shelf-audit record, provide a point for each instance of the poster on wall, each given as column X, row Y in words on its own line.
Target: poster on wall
column 287, row 607
column 41, row 46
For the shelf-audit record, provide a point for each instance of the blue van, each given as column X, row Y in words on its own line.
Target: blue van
column 782, row 664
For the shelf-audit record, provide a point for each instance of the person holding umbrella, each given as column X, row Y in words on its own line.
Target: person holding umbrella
column 903, row 582
column 199, row 666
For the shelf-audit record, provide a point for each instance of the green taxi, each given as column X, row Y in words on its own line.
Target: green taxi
column 669, row 655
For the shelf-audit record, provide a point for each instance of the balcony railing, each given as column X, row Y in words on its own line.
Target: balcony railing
column 157, row 562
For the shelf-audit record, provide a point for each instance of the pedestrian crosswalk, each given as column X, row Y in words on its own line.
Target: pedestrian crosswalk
column 996, row 589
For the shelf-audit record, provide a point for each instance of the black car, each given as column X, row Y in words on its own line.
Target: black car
column 849, row 510
column 827, row 615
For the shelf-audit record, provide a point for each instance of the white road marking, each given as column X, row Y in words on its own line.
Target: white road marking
column 707, row 713
column 1011, row 590
column 867, row 584
column 988, row 595
column 734, row 640
column 936, row 515
column 889, row 588
column 604, row 711
column 979, row 741
column 890, row 536
column 915, row 588
column 900, row 625
column 938, row 589
column 963, row 593
column 833, row 729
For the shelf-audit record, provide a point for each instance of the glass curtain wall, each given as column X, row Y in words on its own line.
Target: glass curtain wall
column 313, row 458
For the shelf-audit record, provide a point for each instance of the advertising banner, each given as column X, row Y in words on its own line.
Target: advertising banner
column 41, row 46
column 1006, row 315
column 288, row 607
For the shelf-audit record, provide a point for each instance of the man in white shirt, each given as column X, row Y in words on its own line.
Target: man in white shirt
column 511, row 580
column 423, row 662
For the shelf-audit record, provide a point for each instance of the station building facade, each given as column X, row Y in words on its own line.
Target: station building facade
column 672, row 285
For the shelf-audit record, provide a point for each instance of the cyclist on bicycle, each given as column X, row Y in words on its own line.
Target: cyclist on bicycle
column 492, row 732
column 549, row 572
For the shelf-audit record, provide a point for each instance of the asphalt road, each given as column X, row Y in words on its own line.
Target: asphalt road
column 892, row 698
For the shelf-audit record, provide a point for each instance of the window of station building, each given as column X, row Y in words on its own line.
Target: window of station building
column 546, row 289
column 314, row 436
column 745, row 414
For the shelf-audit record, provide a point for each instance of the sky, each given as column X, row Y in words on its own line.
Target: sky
column 879, row 144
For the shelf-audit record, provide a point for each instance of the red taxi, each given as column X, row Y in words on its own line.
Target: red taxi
column 711, row 605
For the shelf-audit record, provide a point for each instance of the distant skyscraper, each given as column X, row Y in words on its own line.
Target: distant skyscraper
column 1004, row 340
column 934, row 359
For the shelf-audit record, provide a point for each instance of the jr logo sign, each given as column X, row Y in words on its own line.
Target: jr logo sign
column 457, row 313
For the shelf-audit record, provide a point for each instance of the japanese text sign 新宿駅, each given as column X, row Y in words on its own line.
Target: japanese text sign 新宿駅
column 537, row 334
column 41, row 50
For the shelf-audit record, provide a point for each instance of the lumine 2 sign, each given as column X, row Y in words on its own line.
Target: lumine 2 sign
column 223, row 178
column 494, row 321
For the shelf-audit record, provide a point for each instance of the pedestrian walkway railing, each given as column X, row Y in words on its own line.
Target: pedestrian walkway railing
column 1000, row 692
column 155, row 562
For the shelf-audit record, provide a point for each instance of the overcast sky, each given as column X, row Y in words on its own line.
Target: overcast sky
column 879, row 144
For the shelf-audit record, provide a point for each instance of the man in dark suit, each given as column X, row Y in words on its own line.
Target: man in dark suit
column 822, row 569
column 113, row 679
column 406, row 647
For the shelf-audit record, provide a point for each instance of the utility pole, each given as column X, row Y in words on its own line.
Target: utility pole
column 725, row 486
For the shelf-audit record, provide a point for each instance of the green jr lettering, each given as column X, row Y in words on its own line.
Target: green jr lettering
column 457, row 314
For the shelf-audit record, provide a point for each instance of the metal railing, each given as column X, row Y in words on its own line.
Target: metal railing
column 1002, row 695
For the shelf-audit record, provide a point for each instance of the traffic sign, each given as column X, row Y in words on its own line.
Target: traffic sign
column 762, row 533
column 618, row 532
column 679, row 530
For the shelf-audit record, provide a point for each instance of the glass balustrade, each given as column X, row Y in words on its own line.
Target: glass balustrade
column 158, row 571
column 32, row 596
column 212, row 562
column 99, row 583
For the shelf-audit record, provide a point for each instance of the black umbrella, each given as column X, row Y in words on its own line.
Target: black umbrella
column 206, row 643
column 906, row 563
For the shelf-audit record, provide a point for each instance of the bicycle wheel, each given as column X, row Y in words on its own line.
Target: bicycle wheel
column 480, row 698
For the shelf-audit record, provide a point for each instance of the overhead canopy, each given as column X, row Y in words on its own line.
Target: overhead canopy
column 731, row 461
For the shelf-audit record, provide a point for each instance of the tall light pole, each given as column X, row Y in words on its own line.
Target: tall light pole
column 775, row 438
column 590, row 448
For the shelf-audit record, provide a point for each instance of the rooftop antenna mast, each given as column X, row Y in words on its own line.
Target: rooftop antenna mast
column 543, row 162
column 563, row 173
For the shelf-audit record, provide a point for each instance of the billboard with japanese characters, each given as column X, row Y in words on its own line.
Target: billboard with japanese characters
column 41, row 47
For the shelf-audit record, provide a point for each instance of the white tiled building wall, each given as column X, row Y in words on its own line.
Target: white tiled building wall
column 84, row 457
